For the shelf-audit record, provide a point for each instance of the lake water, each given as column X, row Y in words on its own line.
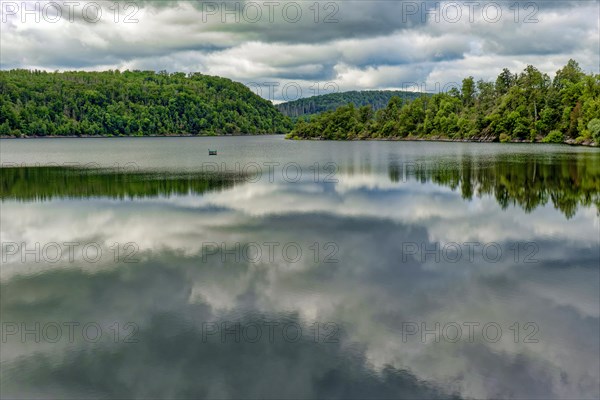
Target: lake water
column 281, row 269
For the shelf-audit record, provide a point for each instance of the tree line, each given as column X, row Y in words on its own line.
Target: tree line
column 131, row 103
column 528, row 106
column 516, row 107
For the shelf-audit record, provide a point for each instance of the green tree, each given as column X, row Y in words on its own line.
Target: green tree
column 468, row 91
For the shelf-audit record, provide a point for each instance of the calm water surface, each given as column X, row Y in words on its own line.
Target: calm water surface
column 279, row 269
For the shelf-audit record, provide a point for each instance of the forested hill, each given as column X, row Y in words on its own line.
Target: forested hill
column 131, row 103
column 377, row 99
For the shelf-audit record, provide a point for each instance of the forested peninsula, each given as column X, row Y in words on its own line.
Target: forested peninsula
column 131, row 103
column 525, row 107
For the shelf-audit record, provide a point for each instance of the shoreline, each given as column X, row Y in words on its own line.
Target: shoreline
column 570, row 142
column 136, row 137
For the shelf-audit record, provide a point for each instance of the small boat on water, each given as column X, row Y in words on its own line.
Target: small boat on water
column 212, row 152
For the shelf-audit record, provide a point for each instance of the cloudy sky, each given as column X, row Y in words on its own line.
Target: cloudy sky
column 289, row 49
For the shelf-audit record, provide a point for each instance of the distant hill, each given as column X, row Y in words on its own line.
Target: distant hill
column 378, row 99
column 131, row 103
